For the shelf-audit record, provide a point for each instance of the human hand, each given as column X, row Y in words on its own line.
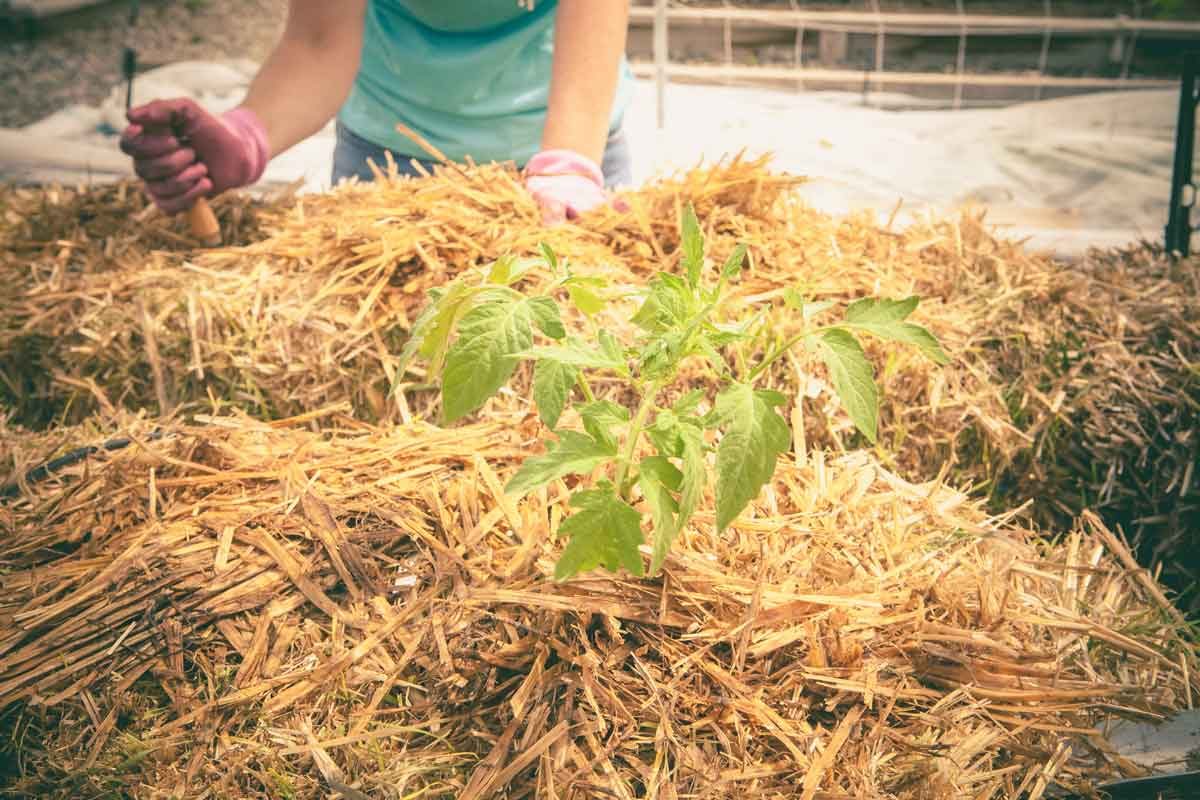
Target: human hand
column 565, row 184
column 183, row 152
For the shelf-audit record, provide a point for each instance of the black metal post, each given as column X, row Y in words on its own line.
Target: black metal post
column 1183, row 189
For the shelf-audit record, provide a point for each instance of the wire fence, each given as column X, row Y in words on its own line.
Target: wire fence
column 885, row 45
column 959, row 87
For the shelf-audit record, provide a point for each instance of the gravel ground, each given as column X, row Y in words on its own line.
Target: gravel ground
column 76, row 58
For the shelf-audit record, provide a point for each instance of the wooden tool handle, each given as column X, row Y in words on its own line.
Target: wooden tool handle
column 203, row 223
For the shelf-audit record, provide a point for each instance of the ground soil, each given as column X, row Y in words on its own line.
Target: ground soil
column 76, row 58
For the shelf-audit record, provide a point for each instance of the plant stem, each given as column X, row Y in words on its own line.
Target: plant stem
column 584, row 387
column 776, row 354
column 635, row 433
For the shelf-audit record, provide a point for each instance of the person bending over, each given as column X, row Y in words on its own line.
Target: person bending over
column 541, row 83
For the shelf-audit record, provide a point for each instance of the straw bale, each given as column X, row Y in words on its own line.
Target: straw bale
column 1103, row 374
column 65, row 255
column 106, row 306
column 238, row 608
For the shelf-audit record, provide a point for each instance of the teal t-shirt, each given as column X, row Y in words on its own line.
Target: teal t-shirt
column 471, row 76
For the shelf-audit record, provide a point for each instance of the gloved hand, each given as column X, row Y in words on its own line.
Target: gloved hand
column 565, row 184
column 183, row 152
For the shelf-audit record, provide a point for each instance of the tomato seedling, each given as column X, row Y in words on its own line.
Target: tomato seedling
column 478, row 328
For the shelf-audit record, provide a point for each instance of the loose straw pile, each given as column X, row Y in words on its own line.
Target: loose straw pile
column 1072, row 386
column 235, row 608
column 266, row 575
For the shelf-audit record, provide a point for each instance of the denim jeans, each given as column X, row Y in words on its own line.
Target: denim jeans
column 352, row 151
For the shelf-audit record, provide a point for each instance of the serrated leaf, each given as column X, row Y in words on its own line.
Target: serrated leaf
column 724, row 334
column 668, row 303
column 552, row 382
column 689, row 402
column 550, row 256
column 601, row 418
column 754, row 437
column 585, row 294
column 853, row 379
column 611, row 346
column 694, row 473
column 482, row 359
column 733, row 264
column 507, row 270
column 664, row 434
column 545, row 314
column 794, row 299
column 420, row 329
column 884, row 318
column 574, row 453
column 661, row 356
column 604, row 531
column 811, row 310
column 692, row 243
column 658, row 478
column 449, row 305
column 706, row 348
column 877, row 311
column 576, row 354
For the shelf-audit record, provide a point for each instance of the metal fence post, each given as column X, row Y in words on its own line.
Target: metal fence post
column 1183, row 187
column 660, row 58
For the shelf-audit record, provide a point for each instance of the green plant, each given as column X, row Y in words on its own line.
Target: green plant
column 476, row 330
column 1171, row 9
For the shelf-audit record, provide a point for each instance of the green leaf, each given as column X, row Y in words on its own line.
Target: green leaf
column 754, row 437
column 793, row 298
column 431, row 333
column 689, row 402
column 668, row 304
column 601, row 418
column 575, row 453
column 577, row 354
column 810, row 310
column 604, row 531
column 693, row 246
column 507, row 270
column 552, row 382
column 872, row 311
column 482, row 359
column 724, row 334
column 884, row 318
column 853, row 379
column 664, row 434
column 661, row 356
column 612, row 348
column 695, row 475
column 657, row 478
column 733, row 264
column 585, row 294
column 550, row 256
column 545, row 314
column 419, row 332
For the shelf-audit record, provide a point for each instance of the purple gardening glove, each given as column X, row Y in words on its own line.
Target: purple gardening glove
column 564, row 184
column 183, row 152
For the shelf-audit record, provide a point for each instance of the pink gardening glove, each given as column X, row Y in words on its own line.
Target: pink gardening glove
column 183, row 152
column 565, row 184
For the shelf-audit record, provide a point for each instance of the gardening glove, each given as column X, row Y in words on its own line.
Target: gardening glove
column 564, row 184
column 183, row 152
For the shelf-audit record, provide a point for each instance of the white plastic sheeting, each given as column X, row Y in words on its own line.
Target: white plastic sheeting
column 79, row 143
column 1087, row 170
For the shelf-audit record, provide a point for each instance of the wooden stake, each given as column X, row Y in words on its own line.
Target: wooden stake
column 203, row 223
